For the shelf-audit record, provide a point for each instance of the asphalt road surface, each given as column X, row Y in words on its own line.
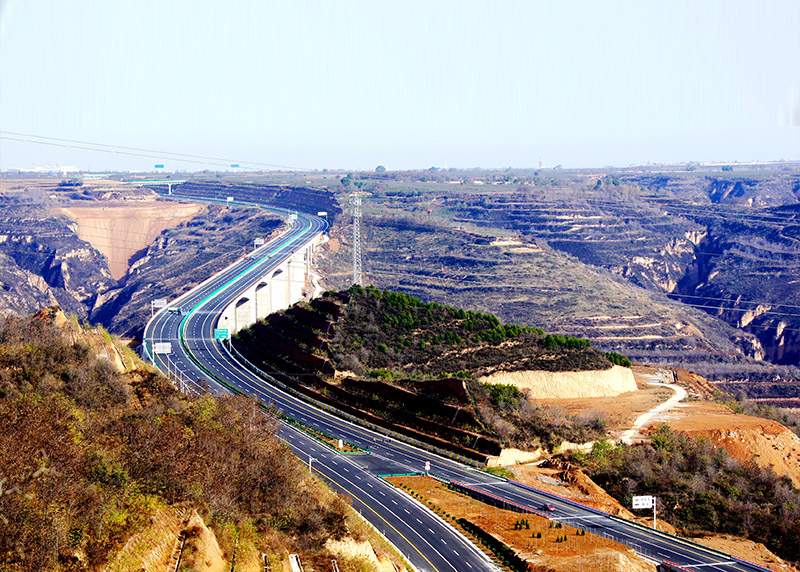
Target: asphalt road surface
column 202, row 363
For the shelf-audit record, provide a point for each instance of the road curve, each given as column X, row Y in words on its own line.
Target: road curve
column 429, row 543
column 202, row 364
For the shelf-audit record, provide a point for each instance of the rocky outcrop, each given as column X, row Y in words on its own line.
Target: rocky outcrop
column 42, row 263
column 568, row 384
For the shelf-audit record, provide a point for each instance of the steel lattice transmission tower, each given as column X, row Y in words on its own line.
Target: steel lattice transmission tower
column 355, row 203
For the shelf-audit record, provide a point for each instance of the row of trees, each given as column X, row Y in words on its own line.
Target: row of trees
column 385, row 329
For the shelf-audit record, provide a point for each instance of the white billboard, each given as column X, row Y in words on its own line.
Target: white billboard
column 159, row 303
column 643, row 502
column 162, row 347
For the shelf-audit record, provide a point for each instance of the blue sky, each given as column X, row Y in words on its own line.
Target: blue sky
column 354, row 84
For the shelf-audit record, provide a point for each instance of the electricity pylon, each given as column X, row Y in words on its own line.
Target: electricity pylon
column 355, row 204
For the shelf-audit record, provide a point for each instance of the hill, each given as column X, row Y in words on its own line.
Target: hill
column 100, row 466
column 682, row 269
column 422, row 368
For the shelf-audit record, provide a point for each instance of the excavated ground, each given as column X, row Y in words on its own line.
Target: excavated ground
column 121, row 229
column 767, row 442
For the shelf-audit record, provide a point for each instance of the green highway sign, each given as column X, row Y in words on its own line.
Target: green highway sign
column 221, row 334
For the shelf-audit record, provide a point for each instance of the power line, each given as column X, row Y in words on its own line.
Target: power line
column 737, row 301
column 722, row 308
column 135, row 151
column 150, row 156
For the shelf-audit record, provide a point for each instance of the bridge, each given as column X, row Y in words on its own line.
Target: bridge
column 278, row 288
column 188, row 349
column 146, row 183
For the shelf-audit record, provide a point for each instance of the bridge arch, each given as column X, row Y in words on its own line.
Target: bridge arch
column 262, row 300
column 278, row 291
column 242, row 313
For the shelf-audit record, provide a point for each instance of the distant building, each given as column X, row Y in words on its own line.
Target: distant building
column 50, row 170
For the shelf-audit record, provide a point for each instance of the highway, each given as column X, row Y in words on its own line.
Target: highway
column 429, row 543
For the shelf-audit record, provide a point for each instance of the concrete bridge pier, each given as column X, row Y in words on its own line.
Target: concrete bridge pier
column 276, row 290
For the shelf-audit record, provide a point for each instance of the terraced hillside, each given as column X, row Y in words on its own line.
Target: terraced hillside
column 414, row 367
column 527, row 282
column 686, row 269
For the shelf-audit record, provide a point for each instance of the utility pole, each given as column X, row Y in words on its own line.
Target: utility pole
column 355, row 203
column 655, row 502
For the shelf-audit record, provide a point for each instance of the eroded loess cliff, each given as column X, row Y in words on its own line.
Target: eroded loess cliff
column 102, row 250
column 122, row 230
column 568, row 384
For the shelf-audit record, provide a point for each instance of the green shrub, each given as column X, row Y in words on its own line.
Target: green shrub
column 617, row 359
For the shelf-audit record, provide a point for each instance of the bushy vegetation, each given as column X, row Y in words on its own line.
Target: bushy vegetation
column 740, row 404
column 503, row 395
column 700, row 487
column 524, row 424
column 559, row 341
column 617, row 359
column 385, row 330
column 87, row 455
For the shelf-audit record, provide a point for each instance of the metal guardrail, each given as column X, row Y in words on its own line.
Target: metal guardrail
column 237, row 356
column 661, row 533
column 489, row 498
column 667, row 566
column 559, row 497
column 684, row 541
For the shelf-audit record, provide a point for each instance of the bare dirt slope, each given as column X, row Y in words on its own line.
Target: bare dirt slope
column 121, row 229
column 568, row 384
column 201, row 553
column 767, row 442
column 619, row 412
